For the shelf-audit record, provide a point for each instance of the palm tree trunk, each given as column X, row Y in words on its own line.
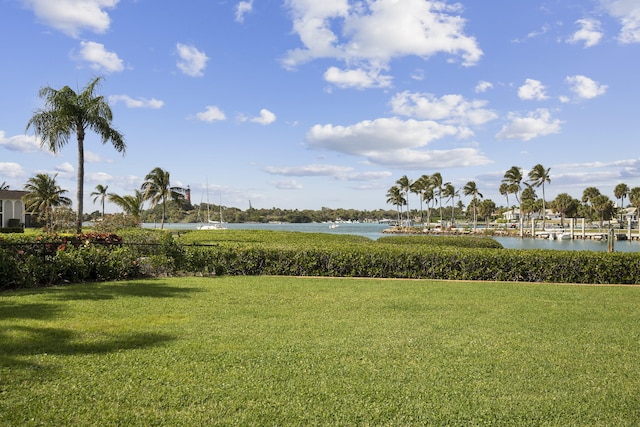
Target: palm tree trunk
column 80, row 189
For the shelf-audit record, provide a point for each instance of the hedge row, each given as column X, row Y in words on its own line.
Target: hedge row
column 440, row 241
column 51, row 260
column 419, row 263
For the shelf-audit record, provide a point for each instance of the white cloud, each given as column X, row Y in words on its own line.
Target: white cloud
column 91, row 157
column 535, row 124
column 99, row 58
column 366, row 36
column 192, row 61
column 430, row 159
column 584, row 87
column 483, row 86
column 64, row 168
column 211, row 114
column 290, row 184
column 450, row 109
column 72, row 16
column 356, row 78
column 385, row 134
column 266, row 117
column 346, row 173
column 99, row 177
column 394, row 142
column 310, row 170
column 21, row 143
column 628, row 11
column 589, row 33
column 368, row 176
column 532, row 90
column 533, row 34
column 243, row 8
column 136, row 103
column 11, row 169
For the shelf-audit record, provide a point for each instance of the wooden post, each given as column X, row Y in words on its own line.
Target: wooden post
column 610, row 240
column 571, row 226
column 533, row 227
column 521, row 224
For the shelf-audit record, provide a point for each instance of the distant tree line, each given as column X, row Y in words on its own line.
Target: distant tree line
column 438, row 202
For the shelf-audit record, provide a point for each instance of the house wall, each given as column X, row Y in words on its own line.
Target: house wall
column 10, row 209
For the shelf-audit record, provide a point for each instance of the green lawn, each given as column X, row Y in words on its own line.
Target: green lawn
column 282, row 351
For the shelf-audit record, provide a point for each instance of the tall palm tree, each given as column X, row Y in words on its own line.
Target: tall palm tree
column 418, row 186
column 486, row 209
column 424, row 187
column 513, row 179
column 604, row 207
column 404, row 184
column 156, row 189
column 451, row 193
column 67, row 112
column 471, row 189
column 563, row 204
column 100, row 194
column 44, row 195
column 504, row 190
column 538, row 175
column 4, row 185
column 620, row 192
column 394, row 197
column 131, row 205
column 588, row 195
column 438, row 184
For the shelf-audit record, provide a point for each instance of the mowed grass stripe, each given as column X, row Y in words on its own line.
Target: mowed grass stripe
column 318, row 351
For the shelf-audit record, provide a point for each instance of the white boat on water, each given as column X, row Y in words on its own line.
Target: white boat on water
column 559, row 235
column 212, row 225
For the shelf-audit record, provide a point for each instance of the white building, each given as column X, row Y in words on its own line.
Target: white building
column 12, row 208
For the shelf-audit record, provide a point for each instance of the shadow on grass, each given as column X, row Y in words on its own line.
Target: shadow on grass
column 18, row 342
column 107, row 291
column 37, row 311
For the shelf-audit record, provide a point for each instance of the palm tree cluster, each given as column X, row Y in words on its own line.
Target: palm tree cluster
column 45, row 195
column 434, row 192
column 431, row 190
column 156, row 189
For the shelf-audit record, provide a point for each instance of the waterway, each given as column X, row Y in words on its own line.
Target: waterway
column 375, row 231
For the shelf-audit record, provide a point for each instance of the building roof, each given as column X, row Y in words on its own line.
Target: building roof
column 12, row 194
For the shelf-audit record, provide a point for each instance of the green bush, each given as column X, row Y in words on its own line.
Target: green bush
column 27, row 261
column 454, row 241
column 415, row 261
column 8, row 230
column 51, row 259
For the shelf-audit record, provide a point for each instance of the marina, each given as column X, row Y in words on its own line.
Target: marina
column 375, row 230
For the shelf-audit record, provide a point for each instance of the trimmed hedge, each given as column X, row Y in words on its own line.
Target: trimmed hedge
column 455, row 241
column 52, row 259
column 55, row 259
column 419, row 263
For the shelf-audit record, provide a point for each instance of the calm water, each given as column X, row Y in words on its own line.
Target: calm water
column 374, row 231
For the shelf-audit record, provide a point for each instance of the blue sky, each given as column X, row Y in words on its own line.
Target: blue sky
column 308, row 104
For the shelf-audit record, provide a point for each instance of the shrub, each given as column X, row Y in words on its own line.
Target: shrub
column 52, row 259
column 453, row 241
column 116, row 223
column 8, row 230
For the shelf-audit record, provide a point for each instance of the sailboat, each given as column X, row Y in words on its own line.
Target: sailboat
column 212, row 225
